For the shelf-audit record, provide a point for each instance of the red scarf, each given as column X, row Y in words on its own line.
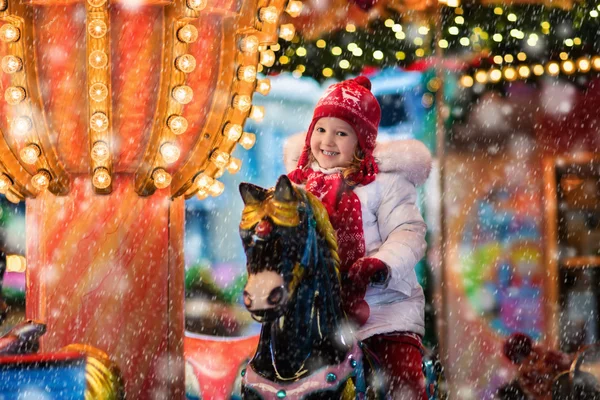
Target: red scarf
column 343, row 207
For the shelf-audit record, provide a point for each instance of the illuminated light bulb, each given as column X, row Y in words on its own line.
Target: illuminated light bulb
column 216, row 188
column 15, row 263
column 98, row 92
column 263, row 86
column 96, row 3
column 196, row 5
column 186, row 63
column 98, row 59
column 495, row 75
column 41, row 180
column 267, row 58
column 294, row 8
column 97, row 28
column 242, row 102
column 100, row 151
column 9, row 33
column 202, row 194
column 510, row 74
column 249, row 44
column 220, row 158
column 188, row 34
column 177, row 124
column 287, row 32
column 99, row 122
column 30, row 153
column 234, row 166
column 13, row 198
column 101, row 178
column 219, row 173
column 247, row 140
column 257, row 113
column 22, row 125
column 161, row 178
column 5, row 183
column 233, row 131
column 169, row 152
column 524, row 71
column 203, row 181
column 481, row 76
column 14, row 95
column 538, row 69
column 568, row 67
column 583, row 64
column 247, row 73
column 596, row 63
column 11, row 64
column 268, row 14
column 553, row 68
column 183, row 94
column 466, row 81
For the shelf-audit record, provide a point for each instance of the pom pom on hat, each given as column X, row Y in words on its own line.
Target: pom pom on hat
column 363, row 81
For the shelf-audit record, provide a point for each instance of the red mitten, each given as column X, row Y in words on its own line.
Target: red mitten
column 366, row 270
column 354, row 287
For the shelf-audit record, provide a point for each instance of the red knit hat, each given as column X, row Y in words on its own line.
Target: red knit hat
column 353, row 102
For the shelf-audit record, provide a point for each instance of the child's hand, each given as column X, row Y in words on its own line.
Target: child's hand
column 354, row 287
column 366, row 270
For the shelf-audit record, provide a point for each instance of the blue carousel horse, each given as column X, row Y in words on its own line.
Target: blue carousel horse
column 306, row 349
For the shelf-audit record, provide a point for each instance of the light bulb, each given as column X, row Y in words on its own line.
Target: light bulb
column 510, row 73
column 219, row 173
column 161, row 178
column 220, row 158
column 14, row 95
column 568, row 67
column 233, row 131
column 202, row 194
column 268, row 14
column 177, row 124
column 216, row 188
column 267, row 58
column 11, row 64
column 5, row 183
column 30, row 153
column 242, row 102
column 97, row 3
column 294, row 8
column 249, row 44
column 234, row 166
column 583, row 64
column 188, row 34
column 22, row 125
column 169, row 152
column 553, row 68
column 100, row 151
column 97, row 28
column 247, row 140
column 102, row 178
column 495, row 76
column 538, row 69
column 524, row 71
column 98, row 59
column 13, row 198
column 98, row 92
column 41, row 180
column 263, row 86
column 247, row 73
column 15, row 263
column 596, row 63
column 183, row 94
column 287, row 32
column 9, row 33
column 257, row 113
column 186, row 63
column 203, row 181
column 197, row 5
column 99, row 122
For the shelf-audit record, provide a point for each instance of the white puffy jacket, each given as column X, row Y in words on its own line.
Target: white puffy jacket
column 394, row 232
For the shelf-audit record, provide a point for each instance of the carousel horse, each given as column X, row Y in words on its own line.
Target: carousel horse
column 306, row 349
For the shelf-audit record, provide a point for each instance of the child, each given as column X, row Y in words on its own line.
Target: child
column 380, row 232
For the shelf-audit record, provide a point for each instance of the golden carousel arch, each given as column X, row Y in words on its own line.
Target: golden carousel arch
column 113, row 114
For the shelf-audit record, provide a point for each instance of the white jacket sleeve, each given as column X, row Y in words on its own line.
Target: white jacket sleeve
column 402, row 232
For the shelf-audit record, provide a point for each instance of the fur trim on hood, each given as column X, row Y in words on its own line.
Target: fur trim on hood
column 409, row 157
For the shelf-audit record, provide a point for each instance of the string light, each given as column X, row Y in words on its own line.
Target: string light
column 186, row 63
column 98, row 92
column 510, row 74
column 161, row 178
column 202, row 194
column 247, row 140
column 14, row 95
column 216, row 188
column 583, row 64
column 249, row 44
column 247, row 73
column 99, row 122
column 30, row 154
column 5, row 182
column 220, row 158
column 101, row 178
column 233, row 131
column 495, row 75
column 596, row 63
column 11, row 64
column 263, row 86
column 188, row 34
column 22, row 125
column 268, row 14
column 100, row 151
column 294, row 8
column 267, row 58
column 287, row 32
column 97, row 28
column 568, row 67
column 257, row 113
column 177, row 124
column 553, row 68
column 538, row 69
column 41, row 180
column 524, row 71
column 203, row 181
column 170, row 153
column 196, row 5
column 466, row 81
column 234, row 166
column 183, row 94
column 481, row 76
column 242, row 102
column 9, row 33
column 15, row 263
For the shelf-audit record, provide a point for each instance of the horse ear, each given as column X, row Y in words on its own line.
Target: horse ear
column 284, row 190
column 252, row 194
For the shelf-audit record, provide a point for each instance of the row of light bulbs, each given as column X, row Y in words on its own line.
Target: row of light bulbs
column 204, row 184
column 552, row 68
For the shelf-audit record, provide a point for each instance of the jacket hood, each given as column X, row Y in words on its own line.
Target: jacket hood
column 410, row 157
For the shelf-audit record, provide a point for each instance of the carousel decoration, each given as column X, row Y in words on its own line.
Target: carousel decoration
column 113, row 113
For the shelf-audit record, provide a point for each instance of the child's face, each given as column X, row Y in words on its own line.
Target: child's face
column 333, row 142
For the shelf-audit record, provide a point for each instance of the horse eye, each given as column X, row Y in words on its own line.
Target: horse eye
column 275, row 296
